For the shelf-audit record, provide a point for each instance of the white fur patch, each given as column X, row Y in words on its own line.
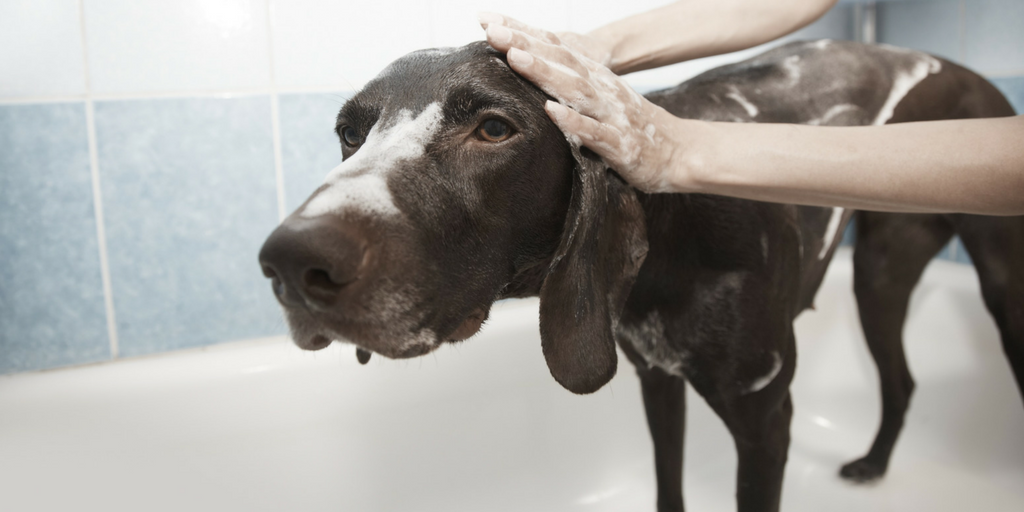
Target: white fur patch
column 734, row 94
column 831, row 231
column 904, row 82
column 648, row 338
column 763, row 382
column 360, row 183
column 831, row 113
column 792, row 67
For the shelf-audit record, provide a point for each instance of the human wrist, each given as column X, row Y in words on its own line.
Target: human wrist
column 692, row 156
column 605, row 41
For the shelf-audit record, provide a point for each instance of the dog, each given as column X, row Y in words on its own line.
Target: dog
column 456, row 190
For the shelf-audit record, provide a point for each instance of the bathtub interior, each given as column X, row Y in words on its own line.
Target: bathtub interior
column 261, row 425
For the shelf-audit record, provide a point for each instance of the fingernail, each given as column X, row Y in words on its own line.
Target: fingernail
column 519, row 58
column 487, row 18
column 557, row 110
column 499, row 34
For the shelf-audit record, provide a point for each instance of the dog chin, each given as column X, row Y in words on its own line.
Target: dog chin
column 310, row 333
column 388, row 340
column 470, row 325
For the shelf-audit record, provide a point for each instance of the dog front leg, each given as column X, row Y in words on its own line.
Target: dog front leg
column 759, row 422
column 665, row 403
column 762, row 444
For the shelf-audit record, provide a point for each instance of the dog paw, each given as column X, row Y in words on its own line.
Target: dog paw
column 862, row 471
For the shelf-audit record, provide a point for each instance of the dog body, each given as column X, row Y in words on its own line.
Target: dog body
column 456, row 190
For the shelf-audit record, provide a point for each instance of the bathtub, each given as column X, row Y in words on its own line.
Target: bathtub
column 481, row 426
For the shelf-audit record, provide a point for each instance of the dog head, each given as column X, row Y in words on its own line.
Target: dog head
column 456, row 190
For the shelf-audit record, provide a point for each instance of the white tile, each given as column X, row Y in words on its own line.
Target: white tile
column 454, row 22
column 186, row 45
column 586, row 15
column 342, row 45
column 40, row 48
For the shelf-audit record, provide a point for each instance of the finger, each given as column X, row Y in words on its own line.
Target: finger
column 488, row 18
column 602, row 139
column 503, row 39
column 558, row 81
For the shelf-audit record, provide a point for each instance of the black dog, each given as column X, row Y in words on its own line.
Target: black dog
column 456, row 190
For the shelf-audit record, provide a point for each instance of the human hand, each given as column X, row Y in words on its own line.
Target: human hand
column 631, row 134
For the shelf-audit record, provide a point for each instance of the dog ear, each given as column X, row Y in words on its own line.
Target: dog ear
column 603, row 244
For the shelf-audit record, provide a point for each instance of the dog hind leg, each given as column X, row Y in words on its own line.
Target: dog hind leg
column 892, row 250
column 996, row 245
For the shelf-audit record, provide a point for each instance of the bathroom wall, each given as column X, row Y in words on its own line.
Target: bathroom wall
column 148, row 147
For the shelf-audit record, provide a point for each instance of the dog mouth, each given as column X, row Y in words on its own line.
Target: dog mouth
column 470, row 326
column 419, row 345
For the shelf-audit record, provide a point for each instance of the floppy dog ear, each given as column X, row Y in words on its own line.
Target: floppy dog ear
column 603, row 244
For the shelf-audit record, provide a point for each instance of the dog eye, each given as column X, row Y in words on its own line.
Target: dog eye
column 350, row 136
column 493, row 130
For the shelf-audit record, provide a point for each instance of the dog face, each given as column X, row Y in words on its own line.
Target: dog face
column 455, row 190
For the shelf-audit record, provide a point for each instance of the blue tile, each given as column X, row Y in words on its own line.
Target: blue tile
column 837, row 23
column 850, row 233
column 931, row 26
column 51, row 293
column 993, row 39
column 1013, row 89
column 309, row 146
column 955, row 251
column 961, row 255
column 189, row 196
column 948, row 252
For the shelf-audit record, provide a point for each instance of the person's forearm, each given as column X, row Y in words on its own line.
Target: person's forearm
column 970, row 166
column 690, row 29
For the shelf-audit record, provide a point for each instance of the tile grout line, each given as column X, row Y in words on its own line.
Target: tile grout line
column 275, row 119
column 97, row 193
column 962, row 30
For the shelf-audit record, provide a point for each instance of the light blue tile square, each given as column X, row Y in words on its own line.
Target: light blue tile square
column 309, row 146
column 948, row 252
column 1013, row 89
column 960, row 254
column 51, row 293
column 955, row 251
column 837, row 23
column 993, row 36
column 931, row 26
column 189, row 196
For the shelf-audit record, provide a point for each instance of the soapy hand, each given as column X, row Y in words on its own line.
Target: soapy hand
column 604, row 113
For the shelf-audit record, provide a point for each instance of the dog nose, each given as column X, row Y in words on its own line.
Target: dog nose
column 310, row 261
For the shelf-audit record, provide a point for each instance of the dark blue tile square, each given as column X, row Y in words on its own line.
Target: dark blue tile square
column 850, row 233
column 309, row 146
column 189, row 195
column 51, row 293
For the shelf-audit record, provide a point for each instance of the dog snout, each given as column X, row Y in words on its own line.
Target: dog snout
column 310, row 262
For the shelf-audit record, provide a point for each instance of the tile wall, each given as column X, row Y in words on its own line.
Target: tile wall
column 147, row 147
